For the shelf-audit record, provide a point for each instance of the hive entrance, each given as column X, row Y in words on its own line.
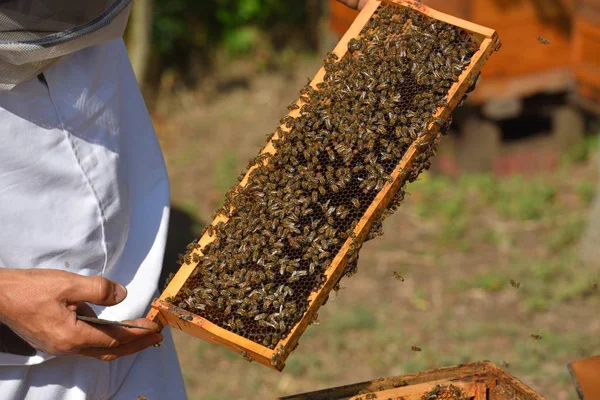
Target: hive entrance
column 333, row 154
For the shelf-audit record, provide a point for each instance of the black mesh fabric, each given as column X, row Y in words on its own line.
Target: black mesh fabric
column 34, row 33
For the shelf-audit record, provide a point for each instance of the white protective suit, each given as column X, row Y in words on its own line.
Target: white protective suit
column 83, row 188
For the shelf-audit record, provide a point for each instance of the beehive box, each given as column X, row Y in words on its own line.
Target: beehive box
column 225, row 269
column 475, row 381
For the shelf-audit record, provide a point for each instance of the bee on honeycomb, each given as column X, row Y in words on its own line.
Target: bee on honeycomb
column 302, row 204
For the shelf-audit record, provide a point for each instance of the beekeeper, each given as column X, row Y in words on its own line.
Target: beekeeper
column 84, row 208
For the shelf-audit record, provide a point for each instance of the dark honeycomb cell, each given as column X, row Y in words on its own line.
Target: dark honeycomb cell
column 294, row 214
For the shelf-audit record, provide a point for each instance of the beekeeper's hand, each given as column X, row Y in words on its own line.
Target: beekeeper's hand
column 356, row 4
column 41, row 306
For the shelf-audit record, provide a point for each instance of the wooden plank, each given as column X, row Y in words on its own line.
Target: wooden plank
column 416, row 392
column 585, row 374
column 206, row 330
column 509, row 387
column 461, row 23
column 165, row 313
column 586, row 55
column 480, row 380
column 439, row 374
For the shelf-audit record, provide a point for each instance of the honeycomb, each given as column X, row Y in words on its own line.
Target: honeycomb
column 300, row 205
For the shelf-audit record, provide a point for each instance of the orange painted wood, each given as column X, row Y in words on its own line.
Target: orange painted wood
column 167, row 314
column 585, row 373
column 341, row 17
column 481, row 380
column 586, row 52
column 417, row 392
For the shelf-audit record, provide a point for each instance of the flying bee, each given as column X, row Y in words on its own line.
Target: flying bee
column 505, row 363
column 543, row 40
column 398, row 276
column 415, row 348
column 515, row 284
column 535, row 336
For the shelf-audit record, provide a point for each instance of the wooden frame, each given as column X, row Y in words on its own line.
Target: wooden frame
column 165, row 313
column 480, row 380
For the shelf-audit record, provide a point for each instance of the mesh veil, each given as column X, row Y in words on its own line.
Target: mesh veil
column 35, row 33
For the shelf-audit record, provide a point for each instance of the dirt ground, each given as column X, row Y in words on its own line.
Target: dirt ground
column 457, row 243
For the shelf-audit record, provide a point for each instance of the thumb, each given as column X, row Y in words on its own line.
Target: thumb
column 96, row 290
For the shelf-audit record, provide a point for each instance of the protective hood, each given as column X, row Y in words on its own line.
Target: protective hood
column 35, row 33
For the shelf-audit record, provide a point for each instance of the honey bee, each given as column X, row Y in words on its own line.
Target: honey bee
column 535, row 336
column 246, row 357
column 505, row 363
column 415, row 348
column 543, row 40
column 398, row 276
column 515, row 284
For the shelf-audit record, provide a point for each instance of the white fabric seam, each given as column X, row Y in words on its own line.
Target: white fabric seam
column 87, row 179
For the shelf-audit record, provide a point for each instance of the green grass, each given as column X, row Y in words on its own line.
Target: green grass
column 481, row 231
column 587, row 192
column 225, row 173
column 567, row 235
column 491, row 281
column 520, row 199
column 358, row 318
column 548, row 282
column 581, row 151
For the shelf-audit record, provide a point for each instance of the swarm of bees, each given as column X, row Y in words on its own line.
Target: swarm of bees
column 301, row 204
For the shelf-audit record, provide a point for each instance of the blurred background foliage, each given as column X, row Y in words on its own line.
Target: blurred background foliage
column 185, row 36
column 206, row 24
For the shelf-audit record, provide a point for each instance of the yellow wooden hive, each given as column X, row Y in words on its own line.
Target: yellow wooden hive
column 165, row 313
